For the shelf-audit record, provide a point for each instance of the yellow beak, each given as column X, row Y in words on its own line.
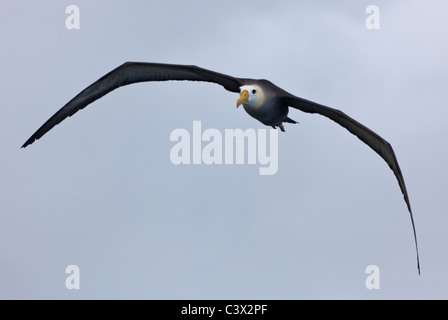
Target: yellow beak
column 244, row 98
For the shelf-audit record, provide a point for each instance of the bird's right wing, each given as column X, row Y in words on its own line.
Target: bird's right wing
column 373, row 140
column 133, row 72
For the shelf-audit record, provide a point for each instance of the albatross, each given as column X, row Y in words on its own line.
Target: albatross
column 261, row 99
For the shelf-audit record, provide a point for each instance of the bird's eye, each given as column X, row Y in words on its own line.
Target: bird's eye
column 254, row 91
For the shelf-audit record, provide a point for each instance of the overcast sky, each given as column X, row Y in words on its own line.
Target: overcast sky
column 99, row 191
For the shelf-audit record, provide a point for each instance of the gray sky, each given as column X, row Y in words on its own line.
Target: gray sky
column 99, row 191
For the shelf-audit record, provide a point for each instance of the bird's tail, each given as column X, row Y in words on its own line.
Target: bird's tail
column 289, row 120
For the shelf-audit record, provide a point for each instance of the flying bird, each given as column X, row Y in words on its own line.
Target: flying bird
column 261, row 99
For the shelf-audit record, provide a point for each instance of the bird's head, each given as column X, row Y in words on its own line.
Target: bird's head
column 250, row 96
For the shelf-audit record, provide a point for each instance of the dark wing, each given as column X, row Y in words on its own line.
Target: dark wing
column 373, row 140
column 132, row 72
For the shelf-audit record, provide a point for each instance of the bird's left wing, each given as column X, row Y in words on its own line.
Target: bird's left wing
column 373, row 140
column 132, row 72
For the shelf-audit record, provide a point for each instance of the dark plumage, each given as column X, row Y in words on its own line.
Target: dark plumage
column 261, row 99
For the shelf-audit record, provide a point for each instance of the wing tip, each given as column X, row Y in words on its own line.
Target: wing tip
column 28, row 142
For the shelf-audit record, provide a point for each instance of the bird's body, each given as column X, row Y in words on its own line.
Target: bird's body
column 266, row 106
column 261, row 99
